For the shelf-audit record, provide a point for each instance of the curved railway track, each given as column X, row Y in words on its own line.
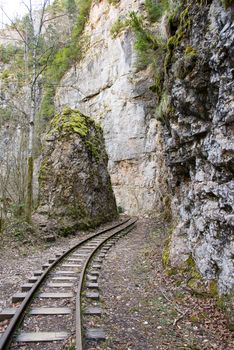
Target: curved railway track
column 64, row 281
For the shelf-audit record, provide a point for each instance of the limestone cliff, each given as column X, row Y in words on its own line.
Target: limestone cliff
column 75, row 190
column 107, row 86
column 195, row 108
column 198, row 135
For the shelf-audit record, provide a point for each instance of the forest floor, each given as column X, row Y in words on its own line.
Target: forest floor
column 143, row 307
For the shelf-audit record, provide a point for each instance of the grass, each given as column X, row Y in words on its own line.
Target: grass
column 156, row 9
column 70, row 347
column 118, row 26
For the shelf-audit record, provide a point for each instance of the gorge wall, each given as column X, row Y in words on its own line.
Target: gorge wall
column 198, row 134
column 191, row 131
column 107, row 86
column 168, row 128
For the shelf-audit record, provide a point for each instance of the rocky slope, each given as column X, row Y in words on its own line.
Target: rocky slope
column 107, row 86
column 75, row 190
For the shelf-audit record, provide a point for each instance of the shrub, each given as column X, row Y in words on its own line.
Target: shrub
column 156, row 8
column 118, row 26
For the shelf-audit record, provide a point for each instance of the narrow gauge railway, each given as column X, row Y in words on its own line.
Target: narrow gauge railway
column 56, row 296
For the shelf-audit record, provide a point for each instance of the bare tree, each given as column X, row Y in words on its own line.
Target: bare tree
column 37, row 55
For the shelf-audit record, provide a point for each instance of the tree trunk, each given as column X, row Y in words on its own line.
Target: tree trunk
column 29, row 199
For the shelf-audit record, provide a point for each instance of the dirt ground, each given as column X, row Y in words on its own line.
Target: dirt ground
column 143, row 308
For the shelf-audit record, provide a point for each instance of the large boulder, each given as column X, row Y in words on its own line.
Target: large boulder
column 74, row 185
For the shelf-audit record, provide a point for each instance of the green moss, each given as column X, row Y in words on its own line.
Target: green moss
column 166, row 253
column 75, row 211
column 175, row 40
column 184, row 15
column 187, row 63
column 71, row 121
column 190, row 266
column 227, row 3
column 213, row 288
column 164, row 109
column 93, row 145
column 190, row 51
column 43, row 170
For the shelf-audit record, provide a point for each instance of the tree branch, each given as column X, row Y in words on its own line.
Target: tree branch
column 14, row 26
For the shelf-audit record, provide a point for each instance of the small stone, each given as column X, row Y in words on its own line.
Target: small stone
column 50, row 239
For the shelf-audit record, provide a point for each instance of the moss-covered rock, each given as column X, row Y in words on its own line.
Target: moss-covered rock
column 74, row 185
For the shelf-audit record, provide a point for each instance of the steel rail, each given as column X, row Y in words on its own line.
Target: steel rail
column 79, row 340
column 7, row 336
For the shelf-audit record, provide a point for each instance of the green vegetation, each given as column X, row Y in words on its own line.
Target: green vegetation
column 7, row 53
column 120, row 209
column 43, row 170
column 185, row 65
column 71, row 121
column 70, row 347
column 175, row 40
column 114, row 2
column 156, row 50
column 63, row 59
column 190, row 51
column 156, row 8
column 93, row 145
column 166, row 253
column 146, row 43
column 5, row 115
column 118, row 26
column 195, row 276
column 227, row 3
column 164, row 108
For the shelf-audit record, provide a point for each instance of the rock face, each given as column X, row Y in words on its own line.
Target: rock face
column 106, row 85
column 75, row 189
column 200, row 145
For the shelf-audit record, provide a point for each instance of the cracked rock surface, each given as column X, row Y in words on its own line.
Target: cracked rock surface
column 200, row 145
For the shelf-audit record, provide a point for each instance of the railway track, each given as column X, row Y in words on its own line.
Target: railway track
column 55, row 296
